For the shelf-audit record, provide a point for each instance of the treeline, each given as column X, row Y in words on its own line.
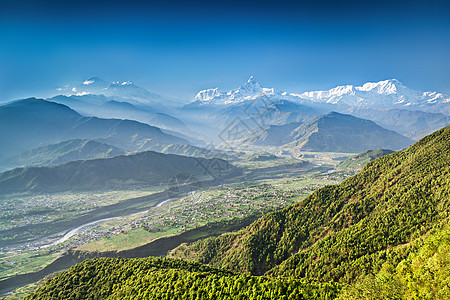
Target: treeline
column 160, row 278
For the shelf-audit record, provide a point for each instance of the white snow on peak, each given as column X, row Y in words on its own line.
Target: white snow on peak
column 385, row 87
column 207, row 95
column 383, row 94
column 120, row 89
column 389, row 93
column 330, row 96
column 249, row 91
column 88, row 82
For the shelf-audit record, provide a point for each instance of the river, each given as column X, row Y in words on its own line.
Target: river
column 78, row 229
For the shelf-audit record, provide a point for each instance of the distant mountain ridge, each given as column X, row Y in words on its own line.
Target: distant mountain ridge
column 106, row 107
column 124, row 171
column 389, row 93
column 250, row 90
column 358, row 161
column 410, row 123
column 389, row 103
column 333, row 132
column 32, row 123
column 122, row 89
column 62, row 152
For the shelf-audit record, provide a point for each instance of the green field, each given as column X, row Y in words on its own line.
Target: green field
column 196, row 210
column 13, row 264
column 131, row 239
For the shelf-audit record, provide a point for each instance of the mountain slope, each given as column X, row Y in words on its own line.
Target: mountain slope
column 113, row 107
column 386, row 226
column 255, row 113
column 63, row 152
column 389, row 103
column 31, row 123
column 189, row 150
column 389, row 93
column 143, row 169
column 123, row 89
column 343, row 231
column 421, row 274
column 336, row 132
column 358, row 161
column 410, row 123
column 252, row 104
column 250, row 90
column 162, row 278
column 275, row 135
column 333, row 132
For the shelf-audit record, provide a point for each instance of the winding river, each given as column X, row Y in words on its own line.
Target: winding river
column 78, row 229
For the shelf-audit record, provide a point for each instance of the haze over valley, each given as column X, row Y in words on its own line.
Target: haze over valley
column 221, row 150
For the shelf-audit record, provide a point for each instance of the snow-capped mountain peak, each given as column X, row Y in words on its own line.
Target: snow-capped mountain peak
column 250, row 90
column 119, row 89
column 252, row 82
column 95, row 81
column 389, row 93
column 385, row 87
column 119, row 83
column 207, row 95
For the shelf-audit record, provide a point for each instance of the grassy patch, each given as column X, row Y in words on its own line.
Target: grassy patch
column 11, row 265
column 131, row 239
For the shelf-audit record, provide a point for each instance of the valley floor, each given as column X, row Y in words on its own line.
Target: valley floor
column 205, row 211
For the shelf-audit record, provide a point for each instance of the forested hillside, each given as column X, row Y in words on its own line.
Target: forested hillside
column 157, row 278
column 381, row 234
column 358, row 161
column 342, row 231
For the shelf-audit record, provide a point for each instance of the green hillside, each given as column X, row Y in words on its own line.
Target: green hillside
column 342, row 231
column 157, row 278
column 423, row 273
column 358, row 161
column 381, row 234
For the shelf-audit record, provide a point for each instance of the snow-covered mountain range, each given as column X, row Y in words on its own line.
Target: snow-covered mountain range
column 383, row 94
column 121, row 89
column 389, row 93
column 250, row 90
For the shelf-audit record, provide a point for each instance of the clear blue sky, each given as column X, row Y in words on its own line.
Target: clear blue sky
column 176, row 48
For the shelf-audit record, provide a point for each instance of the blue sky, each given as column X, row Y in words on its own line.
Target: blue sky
column 176, row 48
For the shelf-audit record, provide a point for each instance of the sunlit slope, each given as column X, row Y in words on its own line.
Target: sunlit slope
column 358, row 161
column 390, row 220
column 341, row 231
column 156, row 278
